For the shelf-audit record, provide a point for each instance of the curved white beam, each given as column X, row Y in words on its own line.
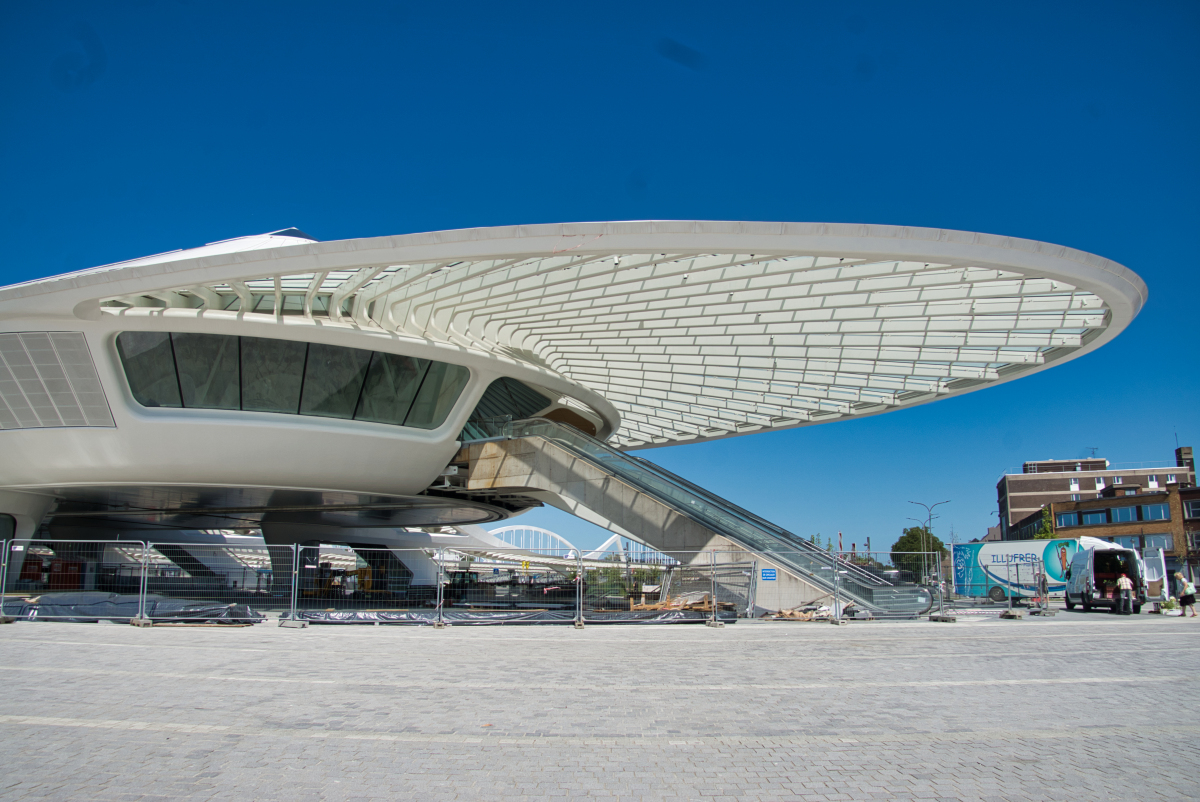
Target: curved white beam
column 689, row 330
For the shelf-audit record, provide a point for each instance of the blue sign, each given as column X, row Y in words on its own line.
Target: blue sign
column 495, row 571
column 768, row 574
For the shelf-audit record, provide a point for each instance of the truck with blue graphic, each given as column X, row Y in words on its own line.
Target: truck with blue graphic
column 1015, row 568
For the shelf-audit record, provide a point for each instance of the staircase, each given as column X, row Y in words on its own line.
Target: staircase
column 557, row 463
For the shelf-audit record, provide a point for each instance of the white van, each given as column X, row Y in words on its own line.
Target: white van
column 1093, row 573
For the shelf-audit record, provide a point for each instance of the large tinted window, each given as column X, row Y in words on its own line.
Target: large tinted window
column 150, row 367
column 392, row 384
column 333, row 380
column 504, row 398
column 439, row 391
column 215, row 371
column 272, row 374
column 208, row 370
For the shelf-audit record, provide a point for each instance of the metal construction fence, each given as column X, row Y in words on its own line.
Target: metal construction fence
column 151, row 582
column 1018, row 580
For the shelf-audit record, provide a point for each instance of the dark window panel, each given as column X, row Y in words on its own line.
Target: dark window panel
column 149, row 367
column 1156, row 512
column 266, row 375
column 391, row 386
column 1121, row 515
column 271, row 374
column 504, row 397
column 441, row 388
column 333, row 380
column 208, row 370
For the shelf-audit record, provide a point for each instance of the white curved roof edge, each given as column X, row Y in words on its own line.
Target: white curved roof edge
column 258, row 255
column 1121, row 291
column 253, row 242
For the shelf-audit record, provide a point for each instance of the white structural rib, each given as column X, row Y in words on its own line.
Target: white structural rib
column 691, row 330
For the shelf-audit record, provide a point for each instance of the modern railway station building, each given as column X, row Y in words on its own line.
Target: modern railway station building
column 393, row 393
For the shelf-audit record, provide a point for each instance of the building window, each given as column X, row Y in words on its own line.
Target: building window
column 1152, row 481
column 1130, row 493
column 1191, row 509
column 1099, row 482
column 255, row 374
column 1122, row 515
column 1075, row 484
column 1118, row 480
column 1092, row 517
column 1127, row 541
column 504, row 397
column 1156, row 512
column 1164, row 542
column 1067, row 519
column 1076, row 496
column 150, row 367
column 1170, row 478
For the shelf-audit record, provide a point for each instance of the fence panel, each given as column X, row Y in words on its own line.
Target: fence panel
column 1011, row 580
column 436, row 585
column 631, row 586
column 90, row 580
column 71, row 580
column 246, row 580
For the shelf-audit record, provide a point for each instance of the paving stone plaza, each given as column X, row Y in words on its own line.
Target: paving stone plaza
column 1075, row 707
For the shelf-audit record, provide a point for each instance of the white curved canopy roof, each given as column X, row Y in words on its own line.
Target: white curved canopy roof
column 691, row 330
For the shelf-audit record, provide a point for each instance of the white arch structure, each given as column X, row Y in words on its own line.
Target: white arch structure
column 535, row 539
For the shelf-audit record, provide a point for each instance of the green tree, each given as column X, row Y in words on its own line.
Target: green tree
column 908, row 553
column 1045, row 529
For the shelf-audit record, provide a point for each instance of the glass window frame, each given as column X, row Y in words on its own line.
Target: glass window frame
column 1148, row 512
column 1123, row 515
column 440, row 401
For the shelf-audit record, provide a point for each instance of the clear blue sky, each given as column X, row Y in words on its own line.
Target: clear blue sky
column 133, row 127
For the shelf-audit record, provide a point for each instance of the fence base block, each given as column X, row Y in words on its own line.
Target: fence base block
column 439, row 624
column 142, row 622
column 1012, row 614
column 840, row 622
column 292, row 624
column 579, row 625
column 6, row 619
column 715, row 624
column 1044, row 613
column 942, row 619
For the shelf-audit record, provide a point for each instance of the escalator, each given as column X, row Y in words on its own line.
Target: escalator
column 803, row 559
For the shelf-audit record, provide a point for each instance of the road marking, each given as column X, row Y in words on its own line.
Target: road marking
column 745, row 741
column 363, row 682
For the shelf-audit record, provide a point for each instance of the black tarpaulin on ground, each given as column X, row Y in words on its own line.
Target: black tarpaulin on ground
column 91, row 606
column 476, row 617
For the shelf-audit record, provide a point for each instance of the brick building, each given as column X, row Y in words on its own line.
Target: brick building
column 1020, row 495
column 1132, row 516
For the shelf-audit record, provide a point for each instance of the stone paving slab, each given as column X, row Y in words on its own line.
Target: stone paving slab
column 1079, row 707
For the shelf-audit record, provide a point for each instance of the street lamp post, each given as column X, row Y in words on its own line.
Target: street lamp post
column 925, row 528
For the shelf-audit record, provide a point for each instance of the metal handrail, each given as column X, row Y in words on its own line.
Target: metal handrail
column 722, row 516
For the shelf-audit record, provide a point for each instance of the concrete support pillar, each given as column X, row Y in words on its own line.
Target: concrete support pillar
column 28, row 511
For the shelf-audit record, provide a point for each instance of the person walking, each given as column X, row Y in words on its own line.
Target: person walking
column 1125, row 591
column 1187, row 595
